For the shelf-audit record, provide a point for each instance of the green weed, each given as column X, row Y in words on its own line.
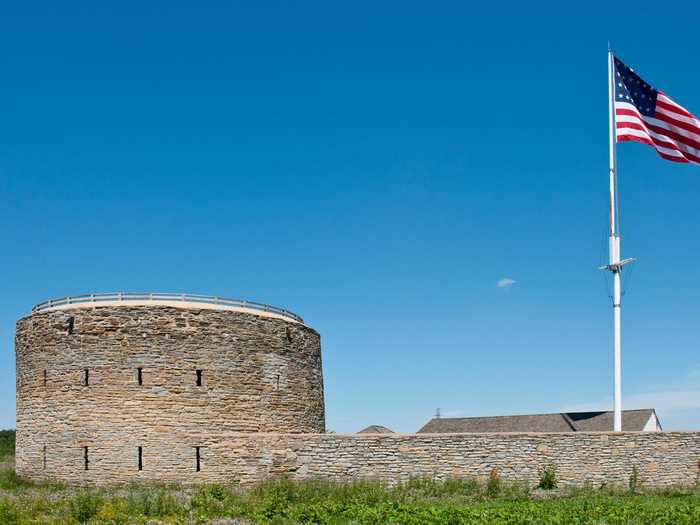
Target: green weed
column 85, row 504
column 8, row 513
column 493, row 485
column 548, row 477
column 634, row 480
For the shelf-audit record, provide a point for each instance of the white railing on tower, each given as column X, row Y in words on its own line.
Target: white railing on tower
column 160, row 296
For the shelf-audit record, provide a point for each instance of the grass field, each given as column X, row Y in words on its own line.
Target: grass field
column 285, row 502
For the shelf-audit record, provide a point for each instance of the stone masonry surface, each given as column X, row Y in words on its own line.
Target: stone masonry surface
column 662, row 458
column 258, row 374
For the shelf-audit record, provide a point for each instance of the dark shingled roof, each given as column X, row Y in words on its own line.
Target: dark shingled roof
column 376, row 429
column 632, row 420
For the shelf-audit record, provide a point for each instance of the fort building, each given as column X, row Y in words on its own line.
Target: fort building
column 116, row 388
column 108, row 382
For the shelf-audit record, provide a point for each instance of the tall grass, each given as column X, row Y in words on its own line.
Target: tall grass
column 416, row 501
column 84, row 505
column 10, row 481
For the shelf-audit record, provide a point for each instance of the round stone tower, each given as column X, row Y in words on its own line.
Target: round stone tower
column 113, row 385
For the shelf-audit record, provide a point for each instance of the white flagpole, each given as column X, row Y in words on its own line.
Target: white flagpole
column 614, row 245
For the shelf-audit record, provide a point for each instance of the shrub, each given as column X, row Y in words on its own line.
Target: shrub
column 84, row 505
column 8, row 513
column 217, row 492
column 493, row 485
column 548, row 477
column 634, row 480
column 151, row 501
column 213, row 501
column 114, row 512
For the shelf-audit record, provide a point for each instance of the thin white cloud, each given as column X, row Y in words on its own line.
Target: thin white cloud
column 505, row 282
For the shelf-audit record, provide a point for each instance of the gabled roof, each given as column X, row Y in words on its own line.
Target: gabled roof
column 632, row 420
column 376, row 429
column 530, row 423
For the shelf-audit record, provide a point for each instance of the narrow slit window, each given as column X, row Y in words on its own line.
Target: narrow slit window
column 289, row 335
column 44, row 459
column 139, row 373
column 86, row 457
column 140, row 458
column 86, row 377
column 277, row 386
column 199, row 377
column 197, row 456
column 46, row 374
column 71, row 324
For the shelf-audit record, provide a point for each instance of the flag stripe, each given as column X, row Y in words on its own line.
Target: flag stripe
column 687, row 129
column 672, row 141
column 660, row 141
column 639, row 129
column 690, row 143
column 678, row 121
column 663, row 127
column 693, row 139
column 668, row 153
column 660, row 127
column 669, row 102
column 673, row 112
column 662, row 133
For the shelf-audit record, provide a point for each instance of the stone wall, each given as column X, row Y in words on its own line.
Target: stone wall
column 258, row 374
column 662, row 458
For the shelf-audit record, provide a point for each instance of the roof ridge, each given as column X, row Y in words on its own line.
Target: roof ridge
column 547, row 413
column 505, row 415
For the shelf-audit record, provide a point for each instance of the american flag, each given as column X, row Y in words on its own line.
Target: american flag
column 647, row 115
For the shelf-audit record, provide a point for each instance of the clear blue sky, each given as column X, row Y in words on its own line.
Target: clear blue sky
column 377, row 167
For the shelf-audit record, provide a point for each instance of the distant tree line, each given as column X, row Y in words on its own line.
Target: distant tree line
column 7, row 443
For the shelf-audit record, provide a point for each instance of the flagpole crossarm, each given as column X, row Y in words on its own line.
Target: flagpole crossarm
column 616, row 267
